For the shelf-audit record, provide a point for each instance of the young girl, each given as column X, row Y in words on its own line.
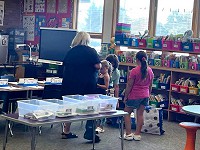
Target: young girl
column 102, row 87
column 136, row 94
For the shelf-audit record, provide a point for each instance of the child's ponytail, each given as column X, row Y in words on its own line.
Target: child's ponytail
column 142, row 57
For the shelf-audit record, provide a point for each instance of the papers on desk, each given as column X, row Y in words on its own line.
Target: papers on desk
column 10, row 88
column 36, row 87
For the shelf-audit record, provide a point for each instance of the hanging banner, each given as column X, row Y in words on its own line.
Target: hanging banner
column 1, row 12
column 28, row 5
column 51, row 6
column 39, row 5
column 28, row 25
column 62, row 6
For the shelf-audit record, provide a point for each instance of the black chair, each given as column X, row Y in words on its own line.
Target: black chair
column 11, row 102
column 52, row 91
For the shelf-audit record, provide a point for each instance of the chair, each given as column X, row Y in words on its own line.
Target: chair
column 52, row 91
column 12, row 102
column 191, row 129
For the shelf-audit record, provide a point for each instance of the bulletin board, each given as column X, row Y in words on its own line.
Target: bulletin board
column 45, row 13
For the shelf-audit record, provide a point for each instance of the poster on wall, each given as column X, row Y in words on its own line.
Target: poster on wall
column 40, row 21
column 62, row 6
column 65, row 22
column 39, row 5
column 52, row 21
column 28, row 25
column 1, row 12
column 51, row 6
column 28, row 5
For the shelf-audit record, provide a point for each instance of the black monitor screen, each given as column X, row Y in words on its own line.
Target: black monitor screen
column 54, row 43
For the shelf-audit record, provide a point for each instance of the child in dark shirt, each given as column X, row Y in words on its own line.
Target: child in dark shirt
column 102, row 87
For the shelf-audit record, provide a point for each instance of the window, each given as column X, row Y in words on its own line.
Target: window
column 96, row 44
column 90, row 16
column 174, row 17
column 135, row 13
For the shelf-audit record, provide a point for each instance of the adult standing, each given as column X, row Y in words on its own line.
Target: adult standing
column 81, row 65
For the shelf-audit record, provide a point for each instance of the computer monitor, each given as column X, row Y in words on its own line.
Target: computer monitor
column 54, row 43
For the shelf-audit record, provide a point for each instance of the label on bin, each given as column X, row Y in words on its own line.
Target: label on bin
column 69, row 111
column 163, row 87
column 175, row 45
column 109, row 106
column 183, row 90
column 174, row 89
column 140, row 43
column 164, row 45
column 89, row 108
column 196, row 47
column 154, row 85
column 192, row 91
column 174, row 109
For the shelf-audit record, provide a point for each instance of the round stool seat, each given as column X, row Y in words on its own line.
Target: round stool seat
column 189, row 125
column 191, row 129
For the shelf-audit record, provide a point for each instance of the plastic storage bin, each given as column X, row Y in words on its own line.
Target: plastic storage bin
column 183, row 89
column 176, row 45
column 84, row 106
column 175, row 87
column 166, row 45
column 106, row 103
column 29, row 106
column 65, row 109
column 73, row 98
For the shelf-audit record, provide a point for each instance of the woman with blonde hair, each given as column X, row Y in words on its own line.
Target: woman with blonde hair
column 81, row 65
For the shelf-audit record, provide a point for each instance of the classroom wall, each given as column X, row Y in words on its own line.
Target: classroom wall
column 12, row 15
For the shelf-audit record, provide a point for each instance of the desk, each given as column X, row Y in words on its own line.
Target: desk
column 192, row 110
column 14, row 89
column 34, row 124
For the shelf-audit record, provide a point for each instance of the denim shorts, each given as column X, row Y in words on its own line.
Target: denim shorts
column 136, row 103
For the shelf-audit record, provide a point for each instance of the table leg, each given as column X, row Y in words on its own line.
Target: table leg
column 122, row 133
column 94, row 134
column 33, row 138
column 6, row 135
column 31, row 94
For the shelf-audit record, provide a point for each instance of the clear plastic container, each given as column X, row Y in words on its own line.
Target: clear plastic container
column 29, row 106
column 84, row 105
column 73, row 98
column 65, row 109
column 87, row 107
column 106, row 103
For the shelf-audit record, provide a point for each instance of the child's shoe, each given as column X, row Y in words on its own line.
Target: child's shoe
column 128, row 137
column 136, row 137
column 100, row 130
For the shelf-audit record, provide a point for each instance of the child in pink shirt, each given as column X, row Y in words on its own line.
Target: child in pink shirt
column 136, row 94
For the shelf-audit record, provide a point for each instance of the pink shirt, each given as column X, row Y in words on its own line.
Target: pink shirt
column 140, row 87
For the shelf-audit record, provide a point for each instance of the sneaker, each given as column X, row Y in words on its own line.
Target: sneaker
column 136, row 137
column 100, row 130
column 69, row 135
column 128, row 137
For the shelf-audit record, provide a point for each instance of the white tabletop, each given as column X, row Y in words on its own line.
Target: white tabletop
column 192, row 109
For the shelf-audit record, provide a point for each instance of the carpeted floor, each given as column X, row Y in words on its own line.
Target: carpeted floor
column 173, row 139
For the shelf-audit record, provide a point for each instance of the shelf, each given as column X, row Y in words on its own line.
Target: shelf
column 161, row 50
column 185, row 93
column 160, row 89
column 164, row 68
